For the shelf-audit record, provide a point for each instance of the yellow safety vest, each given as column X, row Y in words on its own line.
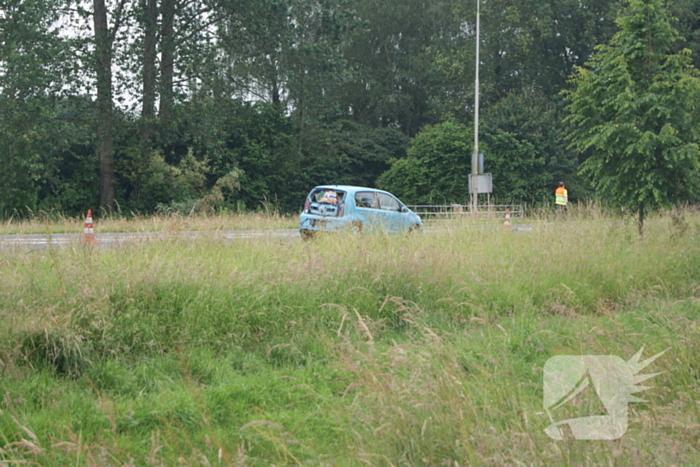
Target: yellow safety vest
column 562, row 196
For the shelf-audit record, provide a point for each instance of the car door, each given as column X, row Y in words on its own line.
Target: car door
column 392, row 219
column 367, row 210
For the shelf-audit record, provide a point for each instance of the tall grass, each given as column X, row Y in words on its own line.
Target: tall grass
column 426, row 350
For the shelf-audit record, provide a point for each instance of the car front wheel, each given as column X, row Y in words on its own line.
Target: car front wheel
column 414, row 229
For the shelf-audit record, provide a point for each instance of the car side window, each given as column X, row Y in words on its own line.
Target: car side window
column 365, row 199
column 388, row 202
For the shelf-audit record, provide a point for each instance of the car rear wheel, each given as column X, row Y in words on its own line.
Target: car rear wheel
column 357, row 228
column 306, row 234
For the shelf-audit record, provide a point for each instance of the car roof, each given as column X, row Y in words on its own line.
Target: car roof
column 348, row 188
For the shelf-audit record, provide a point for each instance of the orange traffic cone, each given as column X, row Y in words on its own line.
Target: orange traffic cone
column 88, row 234
column 506, row 221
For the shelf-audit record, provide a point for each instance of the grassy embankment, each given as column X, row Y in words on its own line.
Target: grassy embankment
column 425, row 350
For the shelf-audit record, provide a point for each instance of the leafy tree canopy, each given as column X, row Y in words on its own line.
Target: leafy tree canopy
column 635, row 108
column 524, row 142
column 436, row 169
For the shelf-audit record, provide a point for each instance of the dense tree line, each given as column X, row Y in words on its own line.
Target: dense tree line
column 202, row 105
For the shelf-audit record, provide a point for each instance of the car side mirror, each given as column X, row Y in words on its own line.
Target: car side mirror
column 403, row 209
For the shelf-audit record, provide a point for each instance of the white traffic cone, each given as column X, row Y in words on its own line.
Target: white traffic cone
column 88, row 233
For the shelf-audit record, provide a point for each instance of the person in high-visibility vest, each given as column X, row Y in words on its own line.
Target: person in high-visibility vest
column 562, row 197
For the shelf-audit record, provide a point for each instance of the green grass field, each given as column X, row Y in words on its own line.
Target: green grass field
column 419, row 351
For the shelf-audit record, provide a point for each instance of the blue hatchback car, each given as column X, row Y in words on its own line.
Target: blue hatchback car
column 343, row 208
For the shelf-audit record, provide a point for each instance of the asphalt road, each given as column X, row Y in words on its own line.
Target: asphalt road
column 108, row 239
column 40, row 241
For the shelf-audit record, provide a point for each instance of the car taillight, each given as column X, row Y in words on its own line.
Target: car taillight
column 306, row 205
column 341, row 210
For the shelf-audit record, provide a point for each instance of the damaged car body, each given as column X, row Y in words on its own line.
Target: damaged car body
column 344, row 208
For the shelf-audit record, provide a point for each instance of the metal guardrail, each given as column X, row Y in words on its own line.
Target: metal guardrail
column 448, row 212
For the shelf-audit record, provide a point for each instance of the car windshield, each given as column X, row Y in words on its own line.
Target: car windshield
column 388, row 202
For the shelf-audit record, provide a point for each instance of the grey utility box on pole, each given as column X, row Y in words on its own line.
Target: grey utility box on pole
column 483, row 183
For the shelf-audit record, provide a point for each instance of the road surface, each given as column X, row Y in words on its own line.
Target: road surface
column 39, row 241
column 107, row 239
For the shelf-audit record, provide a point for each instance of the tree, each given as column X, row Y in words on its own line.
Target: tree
column 688, row 25
column 354, row 154
column 173, row 32
column 436, row 168
column 167, row 60
column 390, row 62
column 36, row 121
column 525, row 147
column 635, row 108
column 149, row 20
column 525, row 46
column 104, row 54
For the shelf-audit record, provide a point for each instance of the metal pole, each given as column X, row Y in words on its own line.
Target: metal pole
column 475, row 155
